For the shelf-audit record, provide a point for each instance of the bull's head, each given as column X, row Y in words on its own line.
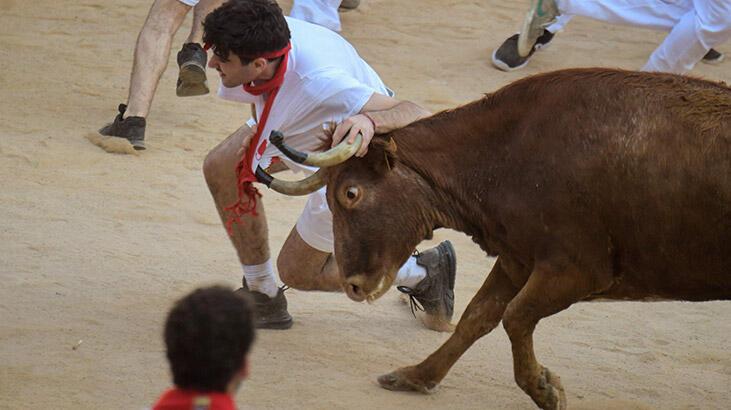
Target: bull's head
column 381, row 210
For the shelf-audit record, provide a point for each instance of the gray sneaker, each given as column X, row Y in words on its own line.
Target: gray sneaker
column 131, row 128
column 271, row 313
column 435, row 293
column 542, row 14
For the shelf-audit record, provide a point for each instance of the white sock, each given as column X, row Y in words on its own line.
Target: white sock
column 410, row 273
column 261, row 278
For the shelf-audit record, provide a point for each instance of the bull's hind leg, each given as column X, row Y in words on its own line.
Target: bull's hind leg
column 481, row 316
column 549, row 289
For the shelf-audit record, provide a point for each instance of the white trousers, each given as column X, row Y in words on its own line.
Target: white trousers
column 320, row 12
column 694, row 26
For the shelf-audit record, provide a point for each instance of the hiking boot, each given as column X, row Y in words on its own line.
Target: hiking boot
column 542, row 14
column 435, row 293
column 349, row 5
column 192, row 76
column 131, row 128
column 713, row 57
column 506, row 57
column 271, row 313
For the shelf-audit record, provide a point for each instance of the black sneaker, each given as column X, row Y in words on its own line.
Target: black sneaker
column 435, row 293
column 713, row 57
column 192, row 76
column 271, row 313
column 506, row 57
column 131, row 128
column 349, row 5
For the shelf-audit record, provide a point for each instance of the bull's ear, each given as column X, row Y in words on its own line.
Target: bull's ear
column 390, row 152
column 384, row 154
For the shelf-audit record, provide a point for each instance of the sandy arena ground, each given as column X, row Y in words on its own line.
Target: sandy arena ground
column 94, row 247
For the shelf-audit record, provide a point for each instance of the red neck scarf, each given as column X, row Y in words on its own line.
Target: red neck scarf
column 247, row 195
column 176, row 399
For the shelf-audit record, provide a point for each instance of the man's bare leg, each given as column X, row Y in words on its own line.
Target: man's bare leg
column 151, row 56
column 152, row 52
column 200, row 11
column 303, row 267
column 250, row 237
column 192, row 57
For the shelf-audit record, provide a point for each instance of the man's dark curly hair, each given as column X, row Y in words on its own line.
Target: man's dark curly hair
column 246, row 28
column 207, row 335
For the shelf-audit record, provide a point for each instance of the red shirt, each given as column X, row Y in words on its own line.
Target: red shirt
column 177, row 399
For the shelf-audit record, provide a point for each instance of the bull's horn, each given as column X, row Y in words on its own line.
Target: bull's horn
column 331, row 157
column 293, row 188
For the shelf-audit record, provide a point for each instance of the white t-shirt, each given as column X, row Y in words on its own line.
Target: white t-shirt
column 326, row 80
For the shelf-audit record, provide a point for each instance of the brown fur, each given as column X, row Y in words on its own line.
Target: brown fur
column 586, row 183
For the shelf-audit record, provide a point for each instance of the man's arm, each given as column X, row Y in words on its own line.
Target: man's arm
column 381, row 114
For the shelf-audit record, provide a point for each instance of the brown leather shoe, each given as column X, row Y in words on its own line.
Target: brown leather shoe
column 271, row 313
column 435, row 293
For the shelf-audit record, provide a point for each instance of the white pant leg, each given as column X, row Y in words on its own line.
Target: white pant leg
column 655, row 14
column 713, row 21
column 561, row 21
column 680, row 50
column 320, row 12
column 315, row 224
column 190, row 3
column 704, row 27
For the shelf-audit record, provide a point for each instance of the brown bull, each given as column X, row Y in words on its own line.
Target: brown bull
column 586, row 183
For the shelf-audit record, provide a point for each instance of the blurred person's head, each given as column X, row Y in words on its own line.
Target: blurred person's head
column 208, row 334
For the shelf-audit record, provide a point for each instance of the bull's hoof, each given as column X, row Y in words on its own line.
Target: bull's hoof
column 401, row 381
column 551, row 394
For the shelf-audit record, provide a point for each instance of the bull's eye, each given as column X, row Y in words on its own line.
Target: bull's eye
column 352, row 193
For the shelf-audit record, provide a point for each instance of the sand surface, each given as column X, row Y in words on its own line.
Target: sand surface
column 94, row 247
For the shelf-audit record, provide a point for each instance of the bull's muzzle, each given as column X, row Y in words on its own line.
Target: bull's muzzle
column 333, row 156
column 354, row 288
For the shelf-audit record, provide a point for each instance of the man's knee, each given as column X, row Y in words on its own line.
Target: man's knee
column 213, row 170
column 300, row 266
column 165, row 16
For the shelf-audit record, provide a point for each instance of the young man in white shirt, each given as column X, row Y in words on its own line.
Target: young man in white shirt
column 298, row 76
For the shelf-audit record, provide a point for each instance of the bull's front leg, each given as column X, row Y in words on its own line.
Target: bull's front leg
column 482, row 315
column 551, row 288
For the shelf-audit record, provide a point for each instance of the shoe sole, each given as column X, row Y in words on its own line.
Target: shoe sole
column 138, row 145
column 284, row 325
column 452, row 259
column 500, row 65
column 191, row 81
